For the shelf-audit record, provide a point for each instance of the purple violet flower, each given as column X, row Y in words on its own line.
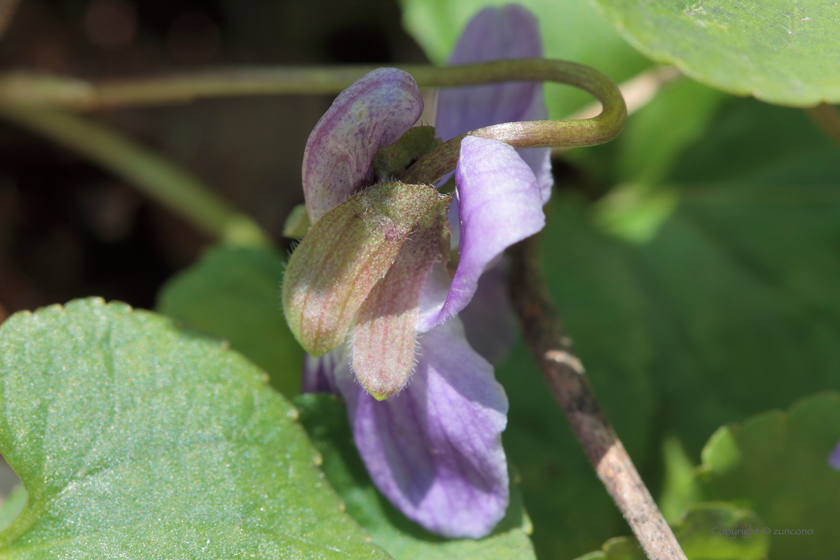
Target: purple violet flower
column 834, row 458
column 431, row 438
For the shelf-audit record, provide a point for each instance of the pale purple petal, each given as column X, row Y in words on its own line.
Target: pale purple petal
column 372, row 113
column 435, row 448
column 500, row 204
column 489, row 320
column 834, row 458
column 318, row 372
column 433, row 296
column 498, row 33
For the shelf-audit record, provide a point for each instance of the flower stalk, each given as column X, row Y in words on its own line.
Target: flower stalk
column 153, row 174
column 564, row 372
column 35, row 102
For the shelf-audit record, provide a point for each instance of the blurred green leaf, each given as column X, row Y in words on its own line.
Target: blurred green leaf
column 437, row 24
column 778, row 51
column 134, row 440
column 661, row 130
column 679, row 486
column 776, row 463
column 234, row 293
column 744, row 276
column 729, row 309
column 325, row 418
column 702, row 534
column 638, row 161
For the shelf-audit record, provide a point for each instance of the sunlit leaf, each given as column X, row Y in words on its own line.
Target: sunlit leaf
column 134, row 440
column 777, row 464
column 234, row 293
column 781, row 52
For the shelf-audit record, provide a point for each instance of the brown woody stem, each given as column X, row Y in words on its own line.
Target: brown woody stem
column 552, row 348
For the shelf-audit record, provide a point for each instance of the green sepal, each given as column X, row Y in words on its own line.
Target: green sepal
column 346, row 253
column 392, row 161
column 297, row 223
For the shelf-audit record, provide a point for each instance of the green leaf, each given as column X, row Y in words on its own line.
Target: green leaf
column 679, row 485
column 135, row 440
column 780, row 52
column 602, row 302
column 743, row 278
column 638, row 161
column 710, row 531
column 729, row 309
column 325, row 418
column 234, row 293
column 437, row 24
column 776, row 463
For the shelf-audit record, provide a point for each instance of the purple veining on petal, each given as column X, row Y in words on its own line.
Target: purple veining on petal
column 435, row 449
column 498, row 33
column 318, row 372
column 500, row 204
column 385, row 334
column 370, row 114
column 834, row 458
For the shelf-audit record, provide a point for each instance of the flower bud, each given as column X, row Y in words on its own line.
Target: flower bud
column 346, row 253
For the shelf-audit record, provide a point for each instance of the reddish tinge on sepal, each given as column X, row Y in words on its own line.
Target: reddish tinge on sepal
column 348, row 252
column 386, row 325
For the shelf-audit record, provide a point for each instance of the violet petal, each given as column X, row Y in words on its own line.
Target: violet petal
column 498, row 33
column 372, row 113
column 834, row 458
column 318, row 372
column 500, row 204
column 489, row 320
column 435, row 448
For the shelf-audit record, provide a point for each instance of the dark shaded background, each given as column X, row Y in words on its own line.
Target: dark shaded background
column 69, row 229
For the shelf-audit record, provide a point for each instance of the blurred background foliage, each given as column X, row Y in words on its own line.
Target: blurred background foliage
column 695, row 260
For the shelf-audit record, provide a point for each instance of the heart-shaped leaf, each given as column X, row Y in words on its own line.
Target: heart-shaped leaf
column 134, row 440
column 234, row 293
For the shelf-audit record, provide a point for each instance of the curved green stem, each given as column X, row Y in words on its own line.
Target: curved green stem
column 529, row 134
column 32, row 101
column 19, row 89
column 160, row 179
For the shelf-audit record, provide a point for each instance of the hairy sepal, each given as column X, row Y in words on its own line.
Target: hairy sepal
column 386, row 326
column 345, row 254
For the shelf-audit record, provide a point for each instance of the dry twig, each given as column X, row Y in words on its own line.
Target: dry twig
column 564, row 372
